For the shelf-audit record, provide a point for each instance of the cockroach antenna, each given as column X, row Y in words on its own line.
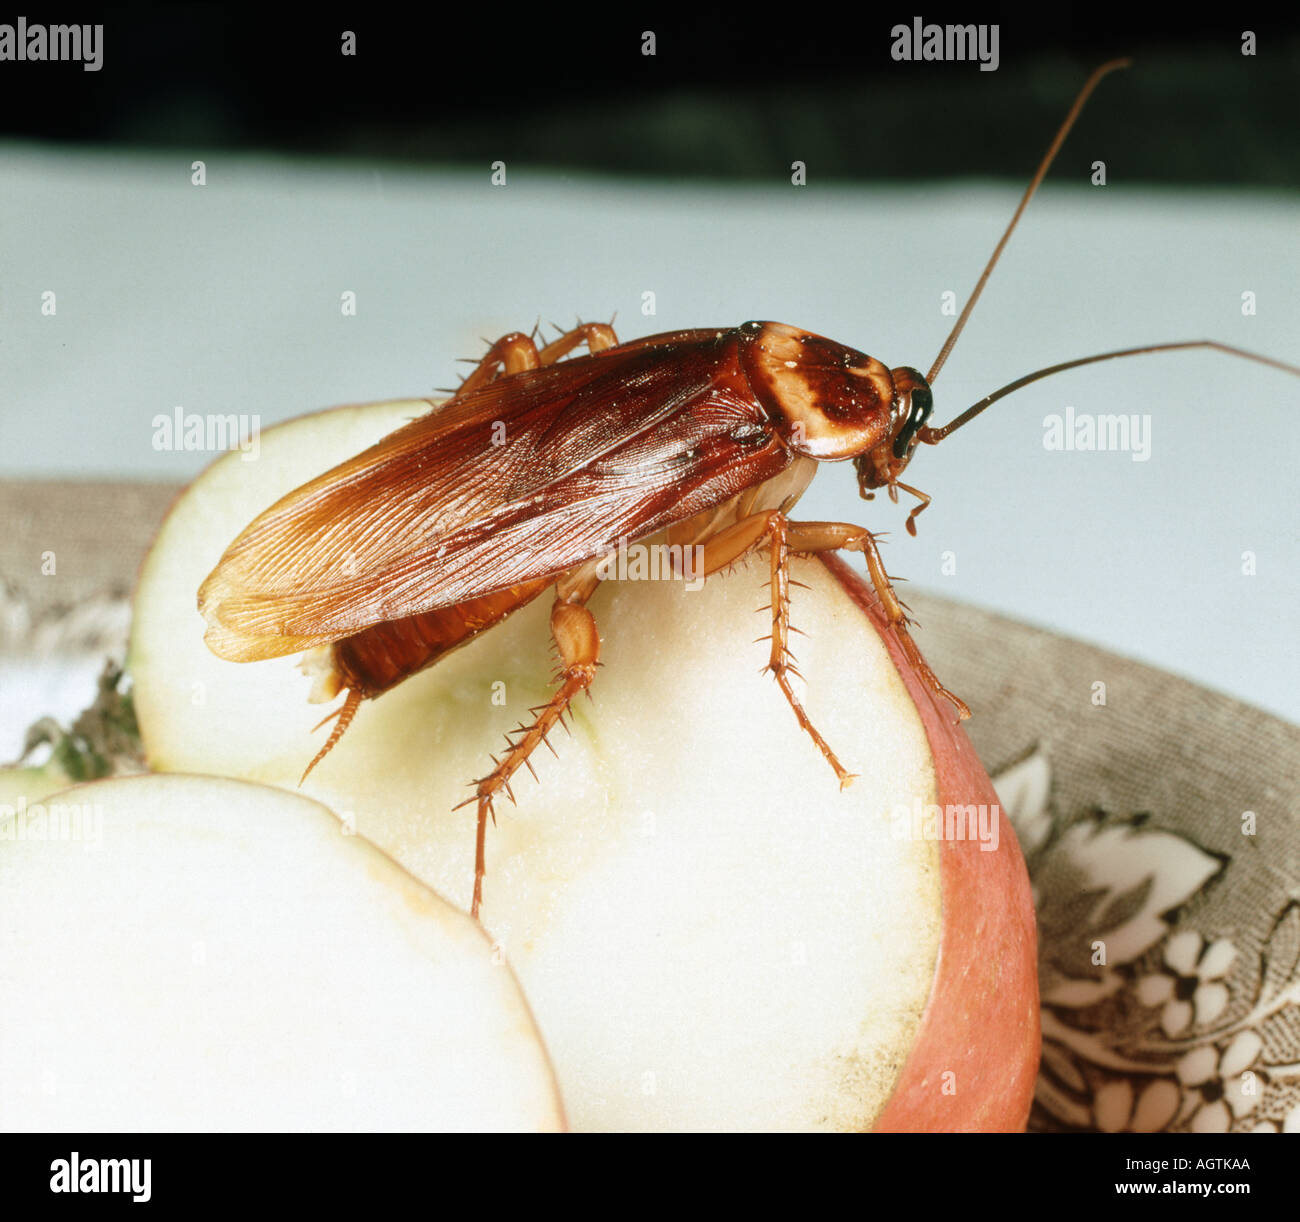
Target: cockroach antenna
column 932, row 436
column 1113, row 65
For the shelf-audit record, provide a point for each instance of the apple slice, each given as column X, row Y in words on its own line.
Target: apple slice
column 23, row 784
column 711, row 933
column 187, row 953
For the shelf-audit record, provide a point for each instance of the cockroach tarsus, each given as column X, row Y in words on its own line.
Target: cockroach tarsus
column 705, row 437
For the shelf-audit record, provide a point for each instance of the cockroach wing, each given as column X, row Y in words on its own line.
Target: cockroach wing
column 526, row 477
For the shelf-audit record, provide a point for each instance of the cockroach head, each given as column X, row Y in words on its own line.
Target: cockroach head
column 912, row 404
column 825, row 401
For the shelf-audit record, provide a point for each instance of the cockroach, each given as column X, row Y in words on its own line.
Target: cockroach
column 705, row 438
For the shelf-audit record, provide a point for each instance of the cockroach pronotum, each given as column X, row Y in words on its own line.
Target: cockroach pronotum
column 703, row 438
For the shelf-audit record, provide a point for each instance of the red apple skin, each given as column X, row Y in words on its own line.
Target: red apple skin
column 981, row 1021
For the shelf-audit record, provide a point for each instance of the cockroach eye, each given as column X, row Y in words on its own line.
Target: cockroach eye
column 921, row 404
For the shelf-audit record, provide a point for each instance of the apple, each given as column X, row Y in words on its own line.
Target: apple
column 711, row 933
column 23, row 784
column 192, row 953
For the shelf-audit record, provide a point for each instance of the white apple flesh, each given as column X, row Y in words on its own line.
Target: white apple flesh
column 711, row 933
column 188, row 953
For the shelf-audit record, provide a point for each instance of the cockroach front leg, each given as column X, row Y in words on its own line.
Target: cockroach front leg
column 575, row 634
column 833, row 536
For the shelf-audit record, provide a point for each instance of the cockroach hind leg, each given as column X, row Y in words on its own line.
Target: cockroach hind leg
column 575, row 633
column 345, row 713
column 480, row 851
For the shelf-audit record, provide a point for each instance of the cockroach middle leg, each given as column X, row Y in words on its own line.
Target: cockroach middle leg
column 831, row 536
column 728, row 546
column 575, row 635
column 780, row 662
column 785, row 537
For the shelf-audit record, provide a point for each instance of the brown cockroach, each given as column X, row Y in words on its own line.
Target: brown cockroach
column 704, row 437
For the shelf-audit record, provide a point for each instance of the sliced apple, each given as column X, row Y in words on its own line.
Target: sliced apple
column 187, row 953
column 22, row 784
column 711, row 933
